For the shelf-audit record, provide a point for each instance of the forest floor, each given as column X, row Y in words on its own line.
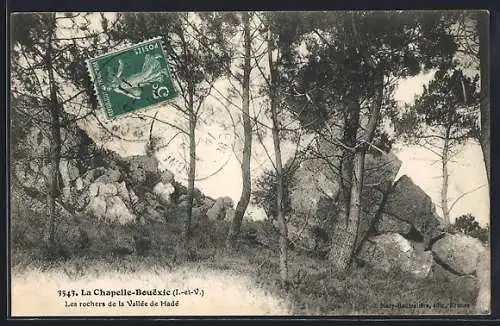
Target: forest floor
column 246, row 283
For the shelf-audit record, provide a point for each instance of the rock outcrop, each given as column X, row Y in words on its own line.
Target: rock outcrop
column 391, row 251
column 459, row 252
column 408, row 203
column 223, row 208
column 315, row 198
column 387, row 223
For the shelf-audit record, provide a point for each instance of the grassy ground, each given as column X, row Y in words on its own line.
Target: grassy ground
column 92, row 255
column 239, row 284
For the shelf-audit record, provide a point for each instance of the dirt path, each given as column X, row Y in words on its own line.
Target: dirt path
column 35, row 293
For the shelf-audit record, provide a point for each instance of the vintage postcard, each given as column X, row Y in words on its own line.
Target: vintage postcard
column 332, row 163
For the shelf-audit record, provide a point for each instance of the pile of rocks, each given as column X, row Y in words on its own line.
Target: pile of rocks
column 133, row 189
column 399, row 227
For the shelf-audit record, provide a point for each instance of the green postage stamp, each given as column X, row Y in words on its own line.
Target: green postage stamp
column 132, row 78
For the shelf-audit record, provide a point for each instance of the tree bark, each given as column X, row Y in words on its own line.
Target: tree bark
column 344, row 254
column 247, row 144
column 342, row 251
column 283, row 240
column 55, row 144
column 192, row 168
column 444, row 184
column 351, row 123
column 484, row 62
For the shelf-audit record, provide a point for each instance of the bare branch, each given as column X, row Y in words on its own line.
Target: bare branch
column 463, row 195
column 142, row 115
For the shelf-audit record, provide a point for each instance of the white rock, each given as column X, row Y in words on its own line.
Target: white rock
column 133, row 196
column 229, row 214
column 122, row 191
column 66, row 192
column 217, row 211
column 460, row 252
column 391, row 250
column 483, row 272
column 117, row 211
column 94, row 190
column 107, row 189
column 421, row 264
column 73, row 172
column 163, row 191
column 228, row 202
column 97, row 206
column 79, row 184
column 63, row 169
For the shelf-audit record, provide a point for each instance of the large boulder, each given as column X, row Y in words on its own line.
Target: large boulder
column 97, row 207
column 408, row 202
column 142, row 168
column 111, row 175
column 163, row 191
column 387, row 223
column 380, row 171
column 315, row 196
column 391, row 251
column 220, row 208
column 69, row 171
column 166, row 177
column 123, row 192
column 107, row 189
column 459, row 252
column 117, row 211
column 465, row 286
column 109, row 201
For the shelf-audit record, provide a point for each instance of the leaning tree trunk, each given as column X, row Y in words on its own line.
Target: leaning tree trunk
column 484, row 59
column 247, row 145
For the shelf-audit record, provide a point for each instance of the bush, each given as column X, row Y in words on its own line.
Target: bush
column 264, row 194
column 468, row 225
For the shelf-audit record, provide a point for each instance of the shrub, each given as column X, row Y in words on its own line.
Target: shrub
column 468, row 225
column 264, row 194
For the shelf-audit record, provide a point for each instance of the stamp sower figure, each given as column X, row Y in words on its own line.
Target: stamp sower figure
column 131, row 85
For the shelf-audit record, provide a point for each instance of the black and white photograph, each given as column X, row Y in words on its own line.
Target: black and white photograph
column 249, row 163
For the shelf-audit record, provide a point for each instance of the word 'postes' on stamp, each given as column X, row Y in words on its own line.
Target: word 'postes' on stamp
column 133, row 78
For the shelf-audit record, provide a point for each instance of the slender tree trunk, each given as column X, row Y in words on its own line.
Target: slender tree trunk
column 346, row 241
column 345, row 250
column 55, row 144
column 351, row 123
column 192, row 169
column 444, row 185
column 247, row 145
column 283, row 241
column 484, row 59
